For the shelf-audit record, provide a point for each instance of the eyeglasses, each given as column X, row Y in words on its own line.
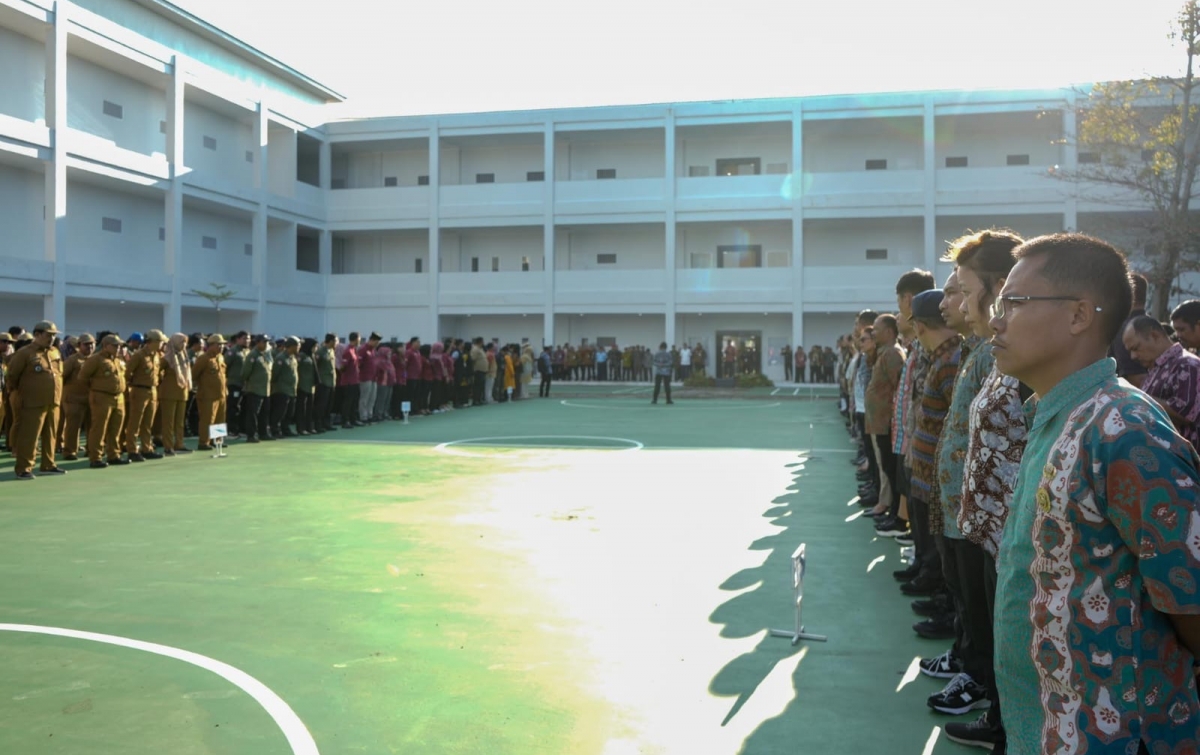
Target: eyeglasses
column 1002, row 304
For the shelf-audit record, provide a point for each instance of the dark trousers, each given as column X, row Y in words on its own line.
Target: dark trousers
column 927, row 556
column 945, row 547
column 787, row 370
column 418, row 394
column 659, row 381
column 478, row 387
column 255, row 415
column 869, row 450
column 399, row 396
column 233, row 411
column 321, row 407
column 989, row 589
column 304, row 413
column 281, row 408
column 602, row 371
column 887, row 467
column 978, row 654
column 544, row 387
column 349, row 404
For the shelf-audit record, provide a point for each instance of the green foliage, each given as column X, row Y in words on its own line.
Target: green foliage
column 219, row 293
column 753, row 380
column 700, row 381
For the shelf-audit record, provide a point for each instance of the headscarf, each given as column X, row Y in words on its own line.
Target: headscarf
column 176, row 357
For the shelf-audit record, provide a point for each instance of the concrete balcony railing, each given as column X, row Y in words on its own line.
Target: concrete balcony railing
column 584, row 288
column 851, row 285
column 1003, row 185
column 26, row 275
column 103, row 151
column 378, row 204
column 517, row 289
column 493, row 200
column 771, row 192
column 629, row 195
column 378, row 290
column 875, row 188
column 764, row 285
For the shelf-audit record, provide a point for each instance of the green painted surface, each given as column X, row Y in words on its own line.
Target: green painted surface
column 493, row 599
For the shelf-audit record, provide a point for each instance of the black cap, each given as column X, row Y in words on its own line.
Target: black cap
column 927, row 305
column 259, row 338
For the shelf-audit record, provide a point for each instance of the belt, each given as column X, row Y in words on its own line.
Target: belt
column 143, row 387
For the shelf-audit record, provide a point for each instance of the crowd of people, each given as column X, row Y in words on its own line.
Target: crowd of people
column 1049, row 502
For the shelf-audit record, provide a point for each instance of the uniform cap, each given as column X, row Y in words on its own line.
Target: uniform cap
column 216, row 339
column 87, row 338
column 112, row 339
column 135, row 336
column 927, row 305
column 260, row 337
column 5, row 337
column 45, row 326
column 156, row 335
column 292, row 341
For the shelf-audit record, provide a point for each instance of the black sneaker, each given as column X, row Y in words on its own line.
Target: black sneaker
column 936, row 628
column 26, row 476
column 922, row 585
column 981, row 733
column 944, row 666
column 905, row 539
column 962, row 695
column 904, row 575
column 99, row 465
column 136, row 457
column 891, row 527
column 56, row 470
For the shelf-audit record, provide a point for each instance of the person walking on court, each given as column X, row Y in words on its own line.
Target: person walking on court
column 75, row 397
column 34, row 380
column 104, row 375
column 663, row 364
column 209, row 377
column 545, row 366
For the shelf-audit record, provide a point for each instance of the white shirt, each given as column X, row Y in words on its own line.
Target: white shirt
column 685, row 357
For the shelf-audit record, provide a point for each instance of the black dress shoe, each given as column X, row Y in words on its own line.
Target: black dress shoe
column 904, row 575
column 183, row 450
column 56, row 470
column 152, row 455
column 869, row 501
column 99, row 465
column 136, row 457
column 70, row 457
column 922, row 585
column 118, row 461
column 936, row 628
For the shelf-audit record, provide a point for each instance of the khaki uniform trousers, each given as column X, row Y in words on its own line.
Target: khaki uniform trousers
column 76, row 415
column 172, row 413
column 140, row 420
column 31, row 424
column 104, row 434
column 212, row 412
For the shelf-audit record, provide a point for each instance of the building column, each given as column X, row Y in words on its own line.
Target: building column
column 325, row 165
column 173, row 202
column 258, row 241
column 930, row 186
column 797, row 197
column 54, row 306
column 435, row 232
column 548, row 235
column 669, row 199
column 1070, row 158
column 325, row 266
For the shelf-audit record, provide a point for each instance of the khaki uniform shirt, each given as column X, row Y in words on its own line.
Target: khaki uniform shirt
column 143, row 369
column 75, row 391
column 208, row 375
column 103, row 374
column 35, row 376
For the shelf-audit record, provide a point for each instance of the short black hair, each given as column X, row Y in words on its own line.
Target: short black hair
column 867, row 317
column 330, row 337
column 914, row 282
column 1144, row 326
column 240, row 334
column 1085, row 266
column 1188, row 312
column 988, row 254
column 353, row 336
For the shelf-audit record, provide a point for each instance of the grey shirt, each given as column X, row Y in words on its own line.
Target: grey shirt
column 663, row 362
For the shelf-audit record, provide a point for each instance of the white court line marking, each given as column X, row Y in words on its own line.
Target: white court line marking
column 933, row 737
column 875, row 562
column 910, row 674
column 776, row 391
column 285, row 718
column 797, row 392
column 634, row 445
column 700, row 404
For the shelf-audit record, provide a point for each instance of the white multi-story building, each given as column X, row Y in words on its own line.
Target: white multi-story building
column 146, row 155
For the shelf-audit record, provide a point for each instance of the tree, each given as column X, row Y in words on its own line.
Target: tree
column 1141, row 141
column 218, row 294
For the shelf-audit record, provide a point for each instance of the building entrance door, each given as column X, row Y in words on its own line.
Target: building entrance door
column 739, row 352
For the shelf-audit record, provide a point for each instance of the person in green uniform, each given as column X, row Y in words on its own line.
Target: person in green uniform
column 256, row 382
column 284, row 382
column 326, row 361
column 34, row 380
column 306, row 369
column 1097, row 617
column 239, row 348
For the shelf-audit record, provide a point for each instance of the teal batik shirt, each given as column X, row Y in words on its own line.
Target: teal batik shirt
column 974, row 368
column 1102, row 543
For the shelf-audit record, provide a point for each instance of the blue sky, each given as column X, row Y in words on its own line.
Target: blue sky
column 403, row 58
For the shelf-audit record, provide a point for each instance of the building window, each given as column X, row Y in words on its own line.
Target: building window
column 739, row 166
column 389, row 181
column 162, row 234
column 113, row 110
column 249, row 155
column 248, row 250
column 495, row 264
column 338, row 183
column 474, row 264
column 162, row 127
column 606, row 173
column 606, row 342
column 422, row 180
column 418, row 265
column 697, row 171
column 112, row 225
column 535, row 175
column 777, row 169
column 485, row 178
column 209, row 242
column 210, row 143
column 1089, row 158
column 1018, row 159
column 877, row 254
column 308, row 255
column 876, row 164
column 524, row 264
column 956, row 162
column 606, row 259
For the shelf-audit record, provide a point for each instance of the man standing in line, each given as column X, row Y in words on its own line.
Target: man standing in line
column 877, row 420
column 326, row 360
column 348, row 381
column 238, row 352
column 367, row 386
column 142, row 374
column 1173, row 377
column 785, row 355
column 685, row 362
column 662, row 372
column 208, row 375
column 1128, row 367
column 284, row 382
column 1097, row 621
column 104, row 375
column 545, row 367
column 256, row 380
column 75, row 397
column 479, row 368
column 34, row 380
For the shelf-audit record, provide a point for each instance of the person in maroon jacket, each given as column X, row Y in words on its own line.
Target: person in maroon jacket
column 400, row 390
column 348, row 381
column 413, row 364
column 367, row 370
column 437, row 377
column 426, row 378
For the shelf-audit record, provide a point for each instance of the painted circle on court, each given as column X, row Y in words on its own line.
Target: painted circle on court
column 453, row 446
column 700, row 404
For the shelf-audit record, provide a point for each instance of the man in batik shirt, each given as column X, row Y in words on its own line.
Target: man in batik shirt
column 1097, row 624
column 1173, row 375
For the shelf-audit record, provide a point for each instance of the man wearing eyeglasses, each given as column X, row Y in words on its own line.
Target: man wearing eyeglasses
column 1099, row 564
